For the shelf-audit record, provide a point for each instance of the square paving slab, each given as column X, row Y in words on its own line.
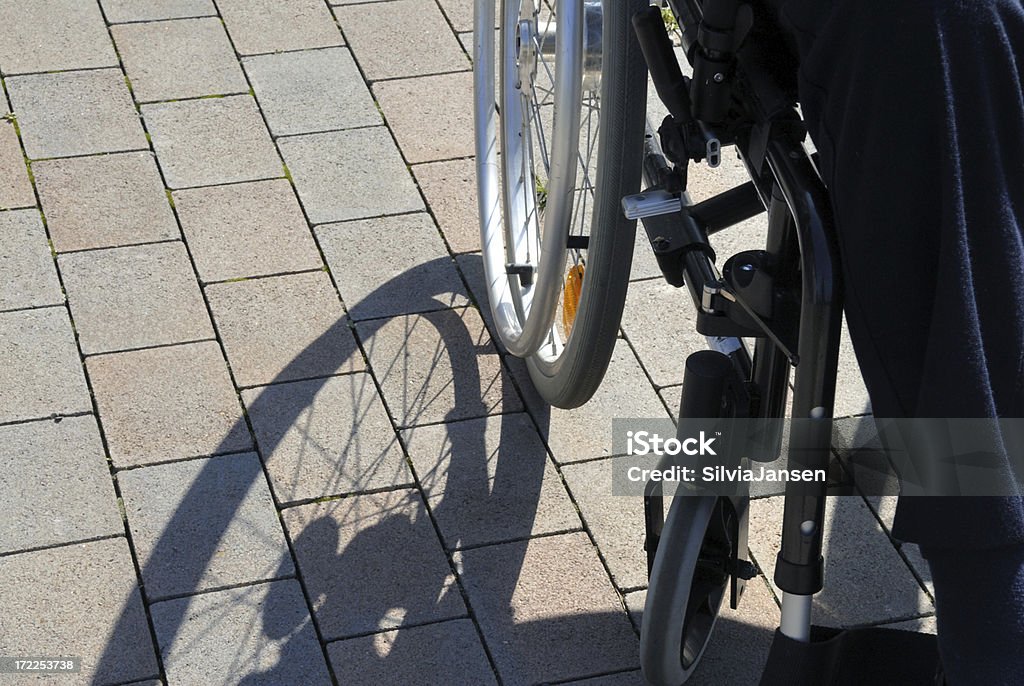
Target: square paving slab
column 104, row 201
column 167, row 403
column 489, row 480
column 30, row 278
column 325, row 437
column 283, row 328
column 204, row 524
column 75, row 113
column 53, row 35
column 372, row 563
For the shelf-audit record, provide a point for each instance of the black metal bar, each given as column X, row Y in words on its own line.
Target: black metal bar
column 662, row 62
column 799, row 566
column 728, row 208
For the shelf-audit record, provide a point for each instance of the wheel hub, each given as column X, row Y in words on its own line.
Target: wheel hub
column 535, row 39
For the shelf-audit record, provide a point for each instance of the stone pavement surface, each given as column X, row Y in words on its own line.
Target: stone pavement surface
column 253, row 425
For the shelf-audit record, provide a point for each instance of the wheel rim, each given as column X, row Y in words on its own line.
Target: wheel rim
column 540, row 190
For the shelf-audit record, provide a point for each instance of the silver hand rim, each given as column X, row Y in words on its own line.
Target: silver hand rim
column 524, row 316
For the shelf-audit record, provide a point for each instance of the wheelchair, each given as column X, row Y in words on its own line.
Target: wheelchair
column 558, row 199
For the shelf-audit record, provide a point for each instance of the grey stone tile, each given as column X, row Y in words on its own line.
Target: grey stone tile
column 382, row 544
column 660, row 323
column 75, row 113
column 751, row 626
column 851, row 394
column 166, row 403
column 259, row 635
column 437, row 367
column 283, row 328
column 388, row 39
column 635, row 602
column 104, row 201
column 547, row 609
column 446, row 101
column 182, row 58
column 489, row 480
column 349, row 175
column 586, row 432
column 311, row 91
column 615, row 522
column 868, row 582
column 30, row 278
column 75, row 499
column 246, row 229
column 133, row 297
column 644, row 266
column 53, row 35
column 450, row 189
column 443, row 653
column 211, row 141
column 272, row 26
column 15, row 188
column 41, row 372
column 325, row 437
column 80, row 600
column 920, row 566
column 391, row 265
column 148, row 10
column 203, row 524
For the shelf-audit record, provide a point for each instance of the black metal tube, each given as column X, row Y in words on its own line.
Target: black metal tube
column 662, row 62
column 728, row 208
column 799, row 567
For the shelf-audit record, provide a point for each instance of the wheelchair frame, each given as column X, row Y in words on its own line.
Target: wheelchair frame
column 790, row 295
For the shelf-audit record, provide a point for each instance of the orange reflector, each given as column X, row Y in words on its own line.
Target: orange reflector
column 573, row 289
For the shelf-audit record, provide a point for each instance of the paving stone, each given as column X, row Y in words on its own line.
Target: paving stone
column 450, row 189
column 311, row 91
column 166, row 403
column 390, row 39
column 183, row 58
column 54, row 484
column 203, row 524
column 586, row 432
column 382, row 544
column 916, row 560
column 325, row 437
column 246, row 229
column 460, row 14
column 923, row 625
column 489, row 480
column 402, row 266
column 851, row 394
column 442, row 653
column 867, row 580
column 75, row 113
column 133, row 297
column 283, row 328
column 80, row 600
column 547, row 609
column 446, row 101
column 15, row 188
column 437, row 367
column 53, row 35
column 615, row 522
column 661, row 325
column 256, row 635
column 272, row 26
column 211, row 141
column 349, row 175
column 30, row 279
column 104, row 201
column 149, row 10
column 741, row 640
column 635, row 602
column 41, row 374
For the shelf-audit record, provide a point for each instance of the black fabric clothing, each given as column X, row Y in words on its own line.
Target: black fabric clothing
column 916, row 108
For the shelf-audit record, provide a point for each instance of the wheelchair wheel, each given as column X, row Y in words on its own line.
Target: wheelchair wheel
column 564, row 106
column 687, row 586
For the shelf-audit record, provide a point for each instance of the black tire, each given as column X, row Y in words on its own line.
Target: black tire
column 572, row 378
